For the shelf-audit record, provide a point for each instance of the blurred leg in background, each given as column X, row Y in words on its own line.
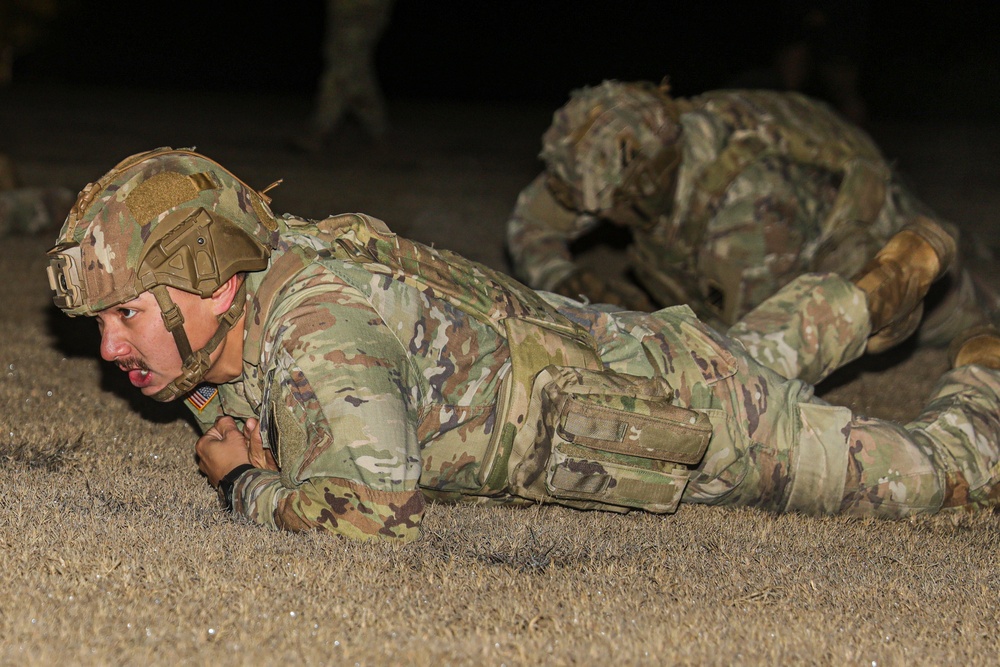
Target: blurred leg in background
column 348, row 85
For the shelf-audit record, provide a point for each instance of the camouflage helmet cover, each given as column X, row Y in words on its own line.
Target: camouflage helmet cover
column 603, row 131
column 163, row 217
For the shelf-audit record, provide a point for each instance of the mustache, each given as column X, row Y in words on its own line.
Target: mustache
column 132, row 363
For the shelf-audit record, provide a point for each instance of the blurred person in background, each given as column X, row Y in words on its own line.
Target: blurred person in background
column 727, row 196
column 348, row 86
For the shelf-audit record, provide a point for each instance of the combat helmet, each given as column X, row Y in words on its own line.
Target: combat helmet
column 162, row 218
column 615, row 146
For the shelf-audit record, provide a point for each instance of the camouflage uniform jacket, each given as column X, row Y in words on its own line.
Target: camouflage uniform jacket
column 769, row 186
column 366, row 387
column 374, row 392
column 378, row 368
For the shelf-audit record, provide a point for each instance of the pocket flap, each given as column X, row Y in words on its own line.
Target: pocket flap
column 650, row 429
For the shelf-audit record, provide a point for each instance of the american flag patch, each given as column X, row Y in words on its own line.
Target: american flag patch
column 202, row 396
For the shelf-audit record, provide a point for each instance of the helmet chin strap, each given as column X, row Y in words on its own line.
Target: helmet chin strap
column 196, row 363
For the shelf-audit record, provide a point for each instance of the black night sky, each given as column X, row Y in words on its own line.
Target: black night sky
column 916, row 60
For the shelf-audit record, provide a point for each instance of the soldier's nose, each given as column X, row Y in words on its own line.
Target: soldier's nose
column 113, row 346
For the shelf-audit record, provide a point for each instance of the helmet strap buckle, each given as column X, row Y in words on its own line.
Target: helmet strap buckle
column 196, row 364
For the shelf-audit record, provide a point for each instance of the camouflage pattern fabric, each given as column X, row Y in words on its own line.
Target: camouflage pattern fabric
column 376, row 391
column 767, row 186
column 945, row 459
column 114, row 216
column 808, row 329
column 606, row 440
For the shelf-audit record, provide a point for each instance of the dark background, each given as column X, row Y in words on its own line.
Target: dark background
column 917, row 60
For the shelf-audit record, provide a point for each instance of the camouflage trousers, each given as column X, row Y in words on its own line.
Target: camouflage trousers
column 946, row 458
column 777, row 446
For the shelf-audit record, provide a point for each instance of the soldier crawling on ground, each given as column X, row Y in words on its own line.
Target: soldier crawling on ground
column 728, row 196
column 343, row 375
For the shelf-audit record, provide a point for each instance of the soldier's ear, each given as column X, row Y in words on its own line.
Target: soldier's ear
column 222, row 297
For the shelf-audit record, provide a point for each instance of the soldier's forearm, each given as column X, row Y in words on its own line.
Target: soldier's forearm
column 332, row 504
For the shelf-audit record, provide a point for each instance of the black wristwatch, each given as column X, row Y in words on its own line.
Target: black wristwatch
column 227, row 483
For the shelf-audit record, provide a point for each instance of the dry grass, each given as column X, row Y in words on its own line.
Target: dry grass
column 115, row 551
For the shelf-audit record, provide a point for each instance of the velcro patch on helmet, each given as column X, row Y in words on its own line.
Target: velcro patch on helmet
column 163, row 192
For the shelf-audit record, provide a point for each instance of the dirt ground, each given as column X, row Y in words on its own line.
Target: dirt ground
column 117, row 554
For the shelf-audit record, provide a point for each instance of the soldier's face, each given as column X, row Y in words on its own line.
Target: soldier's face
column 134, row 337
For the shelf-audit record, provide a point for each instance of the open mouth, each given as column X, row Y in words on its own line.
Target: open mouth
column 140, row 377
column 138, row 374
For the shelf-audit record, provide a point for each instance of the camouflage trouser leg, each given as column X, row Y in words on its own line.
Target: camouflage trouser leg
column 947, row 458
column 774, row 445
column 827, row 460
column 793, row 452
column 808, row 329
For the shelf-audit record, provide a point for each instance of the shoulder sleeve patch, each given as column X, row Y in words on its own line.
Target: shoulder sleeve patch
column 202, row 396
column 283, row 434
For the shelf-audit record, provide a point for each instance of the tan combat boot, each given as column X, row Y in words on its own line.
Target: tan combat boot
column 979, row 345
column 898, row 277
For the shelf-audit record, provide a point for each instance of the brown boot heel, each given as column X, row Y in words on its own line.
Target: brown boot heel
column 979, row 345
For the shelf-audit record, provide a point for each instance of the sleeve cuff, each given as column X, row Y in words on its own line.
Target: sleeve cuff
column 228, row 483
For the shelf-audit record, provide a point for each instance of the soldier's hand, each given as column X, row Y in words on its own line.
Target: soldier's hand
column 259, row 457
column 597, row 289
column 221, row 449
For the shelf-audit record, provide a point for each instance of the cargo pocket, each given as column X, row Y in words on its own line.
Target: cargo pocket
column 724, row 466
column 606, row 440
